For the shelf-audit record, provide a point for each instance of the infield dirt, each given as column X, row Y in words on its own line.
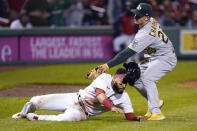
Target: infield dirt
column 34, row 90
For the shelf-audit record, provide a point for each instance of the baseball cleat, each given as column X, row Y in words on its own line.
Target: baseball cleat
column 148, row 113
column 32, row 116
column 29, row 107
column 17, row 115
column 157, row 117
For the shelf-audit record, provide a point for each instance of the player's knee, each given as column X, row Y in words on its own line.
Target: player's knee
column 36, row 100
column 151, row 77
column 146, row 80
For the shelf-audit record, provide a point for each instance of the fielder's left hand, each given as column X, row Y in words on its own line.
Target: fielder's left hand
column 94, row 73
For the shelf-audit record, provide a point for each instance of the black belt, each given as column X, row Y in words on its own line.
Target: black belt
column 82, row 105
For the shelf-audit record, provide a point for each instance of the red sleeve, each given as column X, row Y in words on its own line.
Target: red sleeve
column 99, row 91
column 130, row 116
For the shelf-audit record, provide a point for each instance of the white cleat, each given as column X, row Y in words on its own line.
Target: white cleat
column 17, row 115
column 32, row 116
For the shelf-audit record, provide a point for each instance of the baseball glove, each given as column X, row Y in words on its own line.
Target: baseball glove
column 133, row 73
column 94, row 73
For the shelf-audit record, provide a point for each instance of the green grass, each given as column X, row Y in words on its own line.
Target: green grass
column 180, row 106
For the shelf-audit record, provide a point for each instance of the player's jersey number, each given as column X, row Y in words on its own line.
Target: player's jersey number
column 154, row 31
column 163, row 36
column 160, row 34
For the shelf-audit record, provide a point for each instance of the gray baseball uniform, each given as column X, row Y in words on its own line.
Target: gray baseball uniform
column 161, row 59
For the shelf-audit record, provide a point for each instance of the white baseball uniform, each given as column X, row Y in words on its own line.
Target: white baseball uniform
column 78, row 106
column 161, row 59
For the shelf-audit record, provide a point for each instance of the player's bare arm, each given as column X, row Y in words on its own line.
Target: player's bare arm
column 106, row 102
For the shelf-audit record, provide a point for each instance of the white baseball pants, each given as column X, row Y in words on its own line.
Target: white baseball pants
column 67, row 102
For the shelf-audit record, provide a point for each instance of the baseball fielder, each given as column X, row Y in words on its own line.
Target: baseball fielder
column 105, row 93
column 160, row 58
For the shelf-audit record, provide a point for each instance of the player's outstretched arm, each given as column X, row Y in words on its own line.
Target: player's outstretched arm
column 132, row 117
column 118, row 59
column 102, row 98
column 121, row 57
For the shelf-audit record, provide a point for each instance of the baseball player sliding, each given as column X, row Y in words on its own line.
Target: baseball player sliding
column 160, row 58
column 105, row 93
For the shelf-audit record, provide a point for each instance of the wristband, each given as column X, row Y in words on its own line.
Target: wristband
column 131, row 116
column 107, row 103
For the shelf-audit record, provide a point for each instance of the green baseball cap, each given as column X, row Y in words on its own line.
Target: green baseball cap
column 143, row 9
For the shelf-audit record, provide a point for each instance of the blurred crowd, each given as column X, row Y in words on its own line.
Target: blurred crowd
column 55, row 13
